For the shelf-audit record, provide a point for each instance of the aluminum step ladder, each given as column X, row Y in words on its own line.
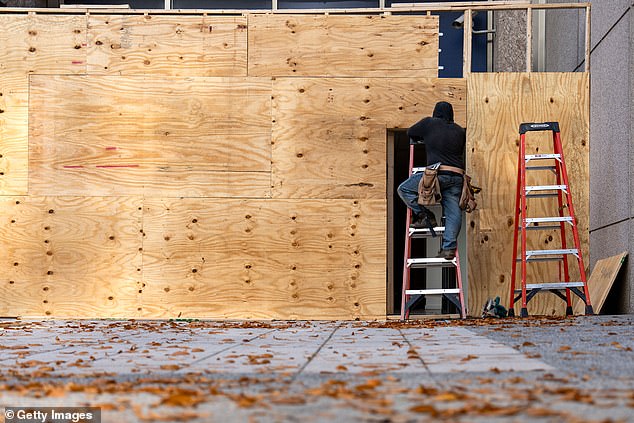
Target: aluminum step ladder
column 564, row 287
column 410, row 297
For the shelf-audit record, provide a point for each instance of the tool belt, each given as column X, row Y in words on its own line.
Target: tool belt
column 429, row 187
column 429, row 192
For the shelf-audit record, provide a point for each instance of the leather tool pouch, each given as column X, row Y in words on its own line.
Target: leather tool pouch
column 429, row 188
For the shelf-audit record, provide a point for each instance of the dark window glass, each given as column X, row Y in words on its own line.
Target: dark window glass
column 134, row 4
column 222, row 4
column 334, row 4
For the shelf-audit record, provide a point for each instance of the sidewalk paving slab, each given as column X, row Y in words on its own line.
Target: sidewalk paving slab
column 520, row 370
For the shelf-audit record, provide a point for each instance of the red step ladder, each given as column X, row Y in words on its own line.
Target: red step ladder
column 410, row 297
column 523, row 224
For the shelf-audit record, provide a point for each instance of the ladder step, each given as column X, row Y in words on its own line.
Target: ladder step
column 540, row 227
column 425, row 233
column 552, row 285
column 530, row 157
column 551, row 252
column 530, row 220
column 543, row 195
column 547, row 255
column 530, row 188
column 540, row 167
column 430, row 262
column 432, row 291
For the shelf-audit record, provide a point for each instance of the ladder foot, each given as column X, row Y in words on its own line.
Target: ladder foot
column 569, row 311
column 589, row 311
column 511, row 312
column 524, row 312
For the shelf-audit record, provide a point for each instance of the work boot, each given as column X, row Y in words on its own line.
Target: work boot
column 420, row 221
column 424, row 221
column 446, row 254
column 432, row 219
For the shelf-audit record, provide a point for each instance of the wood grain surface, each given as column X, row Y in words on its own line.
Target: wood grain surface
column 338, row 45
column 283, row 259
column 108, row 135
column 76, row 257
column 42, row 43
column 177, row 45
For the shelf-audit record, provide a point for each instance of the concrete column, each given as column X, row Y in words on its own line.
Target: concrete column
column 611, row 152
column 509, row 43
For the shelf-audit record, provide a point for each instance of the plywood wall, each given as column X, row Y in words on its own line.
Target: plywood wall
column 498, row 104
column 150, row 167
column 162, row 166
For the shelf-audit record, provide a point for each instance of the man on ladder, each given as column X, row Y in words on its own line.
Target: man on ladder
column 444, row 142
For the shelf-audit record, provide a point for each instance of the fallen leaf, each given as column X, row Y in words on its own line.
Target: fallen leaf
column 170, row 367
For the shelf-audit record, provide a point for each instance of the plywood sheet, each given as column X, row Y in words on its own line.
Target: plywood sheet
column 13, row 149
column 600, row 282
column 329, row 133
column 498, row 103
column 70, row 256
column 179, row 45
column 281, row 259
column 108, row 135
column 329, row 159
column 343, row 45
column 394, row 102
column 42, row 43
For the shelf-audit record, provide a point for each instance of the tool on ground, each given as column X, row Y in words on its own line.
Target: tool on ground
column 410, row 297
column 524, row 224
column 493, row 308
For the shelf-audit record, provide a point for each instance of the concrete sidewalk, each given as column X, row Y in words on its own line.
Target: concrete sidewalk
column 535, row 369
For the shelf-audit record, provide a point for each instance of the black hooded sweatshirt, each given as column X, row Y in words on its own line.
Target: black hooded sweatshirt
column 444, row 140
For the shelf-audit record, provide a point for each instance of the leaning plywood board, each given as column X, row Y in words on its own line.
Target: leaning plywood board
column 343, row 45
column 329, row 136
column 42, row 43
column 253, row 259
column 180, row 45
column 601, row 281
column 70, row 256
column 108, row 135
column 498, row 103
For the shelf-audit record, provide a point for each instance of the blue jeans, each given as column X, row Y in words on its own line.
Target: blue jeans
column 451, row 190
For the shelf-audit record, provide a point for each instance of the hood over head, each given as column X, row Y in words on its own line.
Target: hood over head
column 444, row 111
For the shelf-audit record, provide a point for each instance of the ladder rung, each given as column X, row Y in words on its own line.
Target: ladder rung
column 530, row 220
column 430, row 262
column 540, row 227
column 529, row 157
column 530, row 188
column 432, row 291
column 548, row 255
column 540, row 168
column 549, row 258
column 424, row 232
column 552, row 194
column 552, row 285
column 551, row 252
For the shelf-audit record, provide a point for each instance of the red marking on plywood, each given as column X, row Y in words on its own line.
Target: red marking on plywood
column 112, row 166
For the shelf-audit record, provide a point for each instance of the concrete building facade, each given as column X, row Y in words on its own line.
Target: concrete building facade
column 611, row 126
